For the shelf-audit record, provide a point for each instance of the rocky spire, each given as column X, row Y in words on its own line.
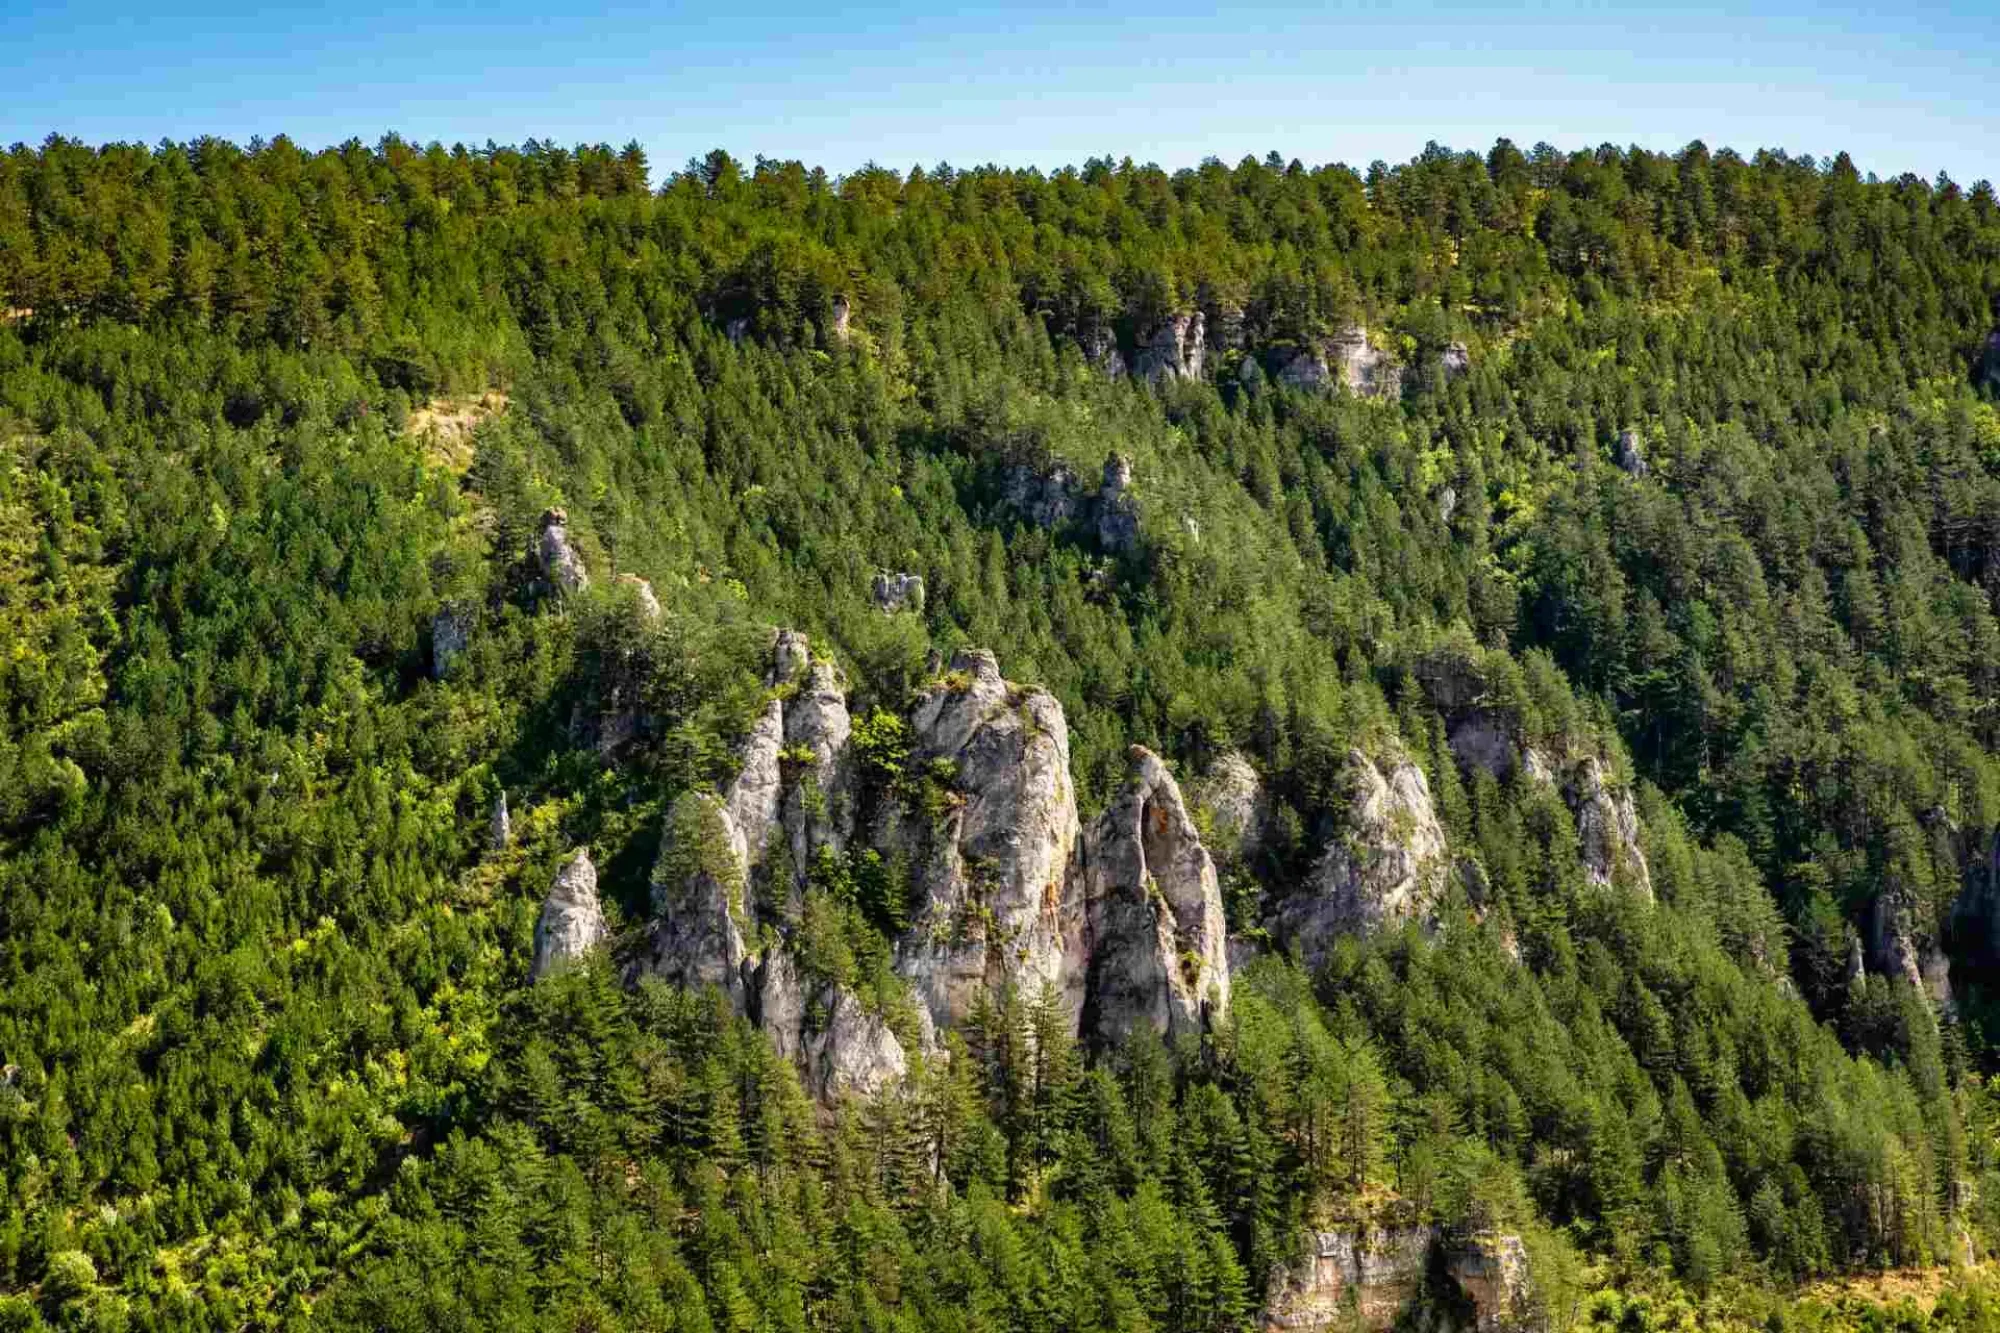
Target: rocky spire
column 561, row 565
column 572, row 921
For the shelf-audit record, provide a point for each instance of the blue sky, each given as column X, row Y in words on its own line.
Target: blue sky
column 1908, row 87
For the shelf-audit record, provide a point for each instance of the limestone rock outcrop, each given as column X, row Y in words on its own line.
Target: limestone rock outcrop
column 841, row 324
column 1349, row 359
column 1607, row 827
column 898, row 592
column 1386, row 865
column 643, row 596
column 818, row 811
column 1456, row 359
column 855, row 1054
column 695, row 939
column 1155, row 937
column 1630, row 454
column 561, row 565
column 1047, row 498
column 1368, row 1276
column 572, row 921
column 997, row 906
column 451, row 630
column 499, row 824
column 1117, row 510
column 1175, row 350
column 1233, row 795
column 1100, row 349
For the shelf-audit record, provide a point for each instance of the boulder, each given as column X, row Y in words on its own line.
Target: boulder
column 451, row 629
column 1607, row 827
column 898, row 592
column 1173, row 351
column 1155, row 934
column 991, row 871
column 561, row 565
column 572, row 921
column 1455, row 360
column 1386, row 866
column 695, row 939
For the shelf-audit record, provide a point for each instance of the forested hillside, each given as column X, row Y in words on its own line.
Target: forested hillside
column 1555, row 594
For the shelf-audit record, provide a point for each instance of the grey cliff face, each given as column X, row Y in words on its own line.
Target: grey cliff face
column 1607, row 828
column 1901, row 947
column 778, row 1003
column 499, row 825
column 841, row 325
column 451, row 629
column 818, row 809
column 855, row 1054
column 992, row 875
column 1156, row 937
column 1349, row 359
column 1047, row 499
column 1100, row 349
column 1990, row 361
column 1387, row 865
column 696, row 937
column 754, row 798
column 898, row 592
column 1455, row 360
column 1174, row 351
column 1117, row 509
column 572, row 921
column 561, row 565
column 1368, row 1276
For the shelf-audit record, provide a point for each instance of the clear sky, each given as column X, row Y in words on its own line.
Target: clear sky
column 1903, row 86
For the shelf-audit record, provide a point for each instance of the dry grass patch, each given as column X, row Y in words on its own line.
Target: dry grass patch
column 445, row 426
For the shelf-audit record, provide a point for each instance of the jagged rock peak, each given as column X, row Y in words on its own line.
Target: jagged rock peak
column 499, row 825
column 1607, row 827
column 791, row 654
column 1174, row 350
column 572, row 921
column 1156, row 937
column 451, row 629
column 643, row 595
column 991, row 872
column 1386, row 865
column 898, row 592
column 561, row 565
column 699, row 900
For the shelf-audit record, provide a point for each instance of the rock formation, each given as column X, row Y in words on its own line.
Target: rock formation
column 1630, row 454
column 1100, row 349
column 1155, row 938
column 1047, row 498
column 561, row 565
column 1902, row 946
column 817, row 807
column 855, row 1054
column 499, row 826
column 642, row 595
column 1385, row 866
column 1348, row 357
column 1117, row 511
column 1455, row 360
column 1174, row 351
column 1607, row 827
column 843, row 314
column 997, row 907
column 572, row 921
column 1237, row 806
column 699, row 909
column 898, row 592
column 451, row 628
column 1367, row 1276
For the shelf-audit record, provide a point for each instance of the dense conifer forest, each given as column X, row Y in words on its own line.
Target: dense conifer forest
column 1689, row 463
